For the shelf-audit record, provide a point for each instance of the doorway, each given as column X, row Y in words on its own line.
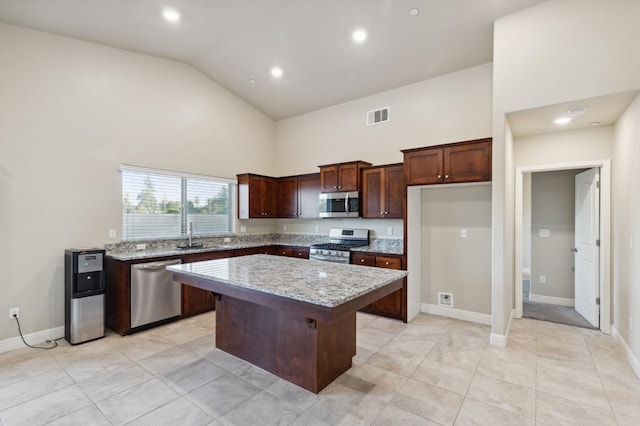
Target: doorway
column 524, row 234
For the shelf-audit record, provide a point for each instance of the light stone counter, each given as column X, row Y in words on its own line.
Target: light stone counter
column 321, row 283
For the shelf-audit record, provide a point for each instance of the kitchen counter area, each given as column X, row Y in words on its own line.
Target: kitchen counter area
column 127, row 251
column 292, row 317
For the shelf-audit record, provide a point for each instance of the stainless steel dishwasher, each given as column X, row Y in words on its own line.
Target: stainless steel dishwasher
column 154, row 294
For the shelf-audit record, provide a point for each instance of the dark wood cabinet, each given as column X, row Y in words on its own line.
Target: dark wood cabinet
column 196, row 300
column 461, row 162
column 256, row 196
column 393, row 305
column 297, row 196
column 290, row 251
column 341, row 177
column 383, row 192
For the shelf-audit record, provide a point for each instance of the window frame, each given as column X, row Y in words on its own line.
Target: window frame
column 184, row 198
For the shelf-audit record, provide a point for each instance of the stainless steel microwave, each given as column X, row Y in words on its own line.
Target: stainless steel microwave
column 340, row 204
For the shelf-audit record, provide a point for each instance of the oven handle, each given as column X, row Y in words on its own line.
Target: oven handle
column 321, row 258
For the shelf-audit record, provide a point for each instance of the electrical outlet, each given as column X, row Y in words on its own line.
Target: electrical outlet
column 243, row 228
column 463, row 233
column 14, row 313
column 112, row 233
column 390, row 230
column 544, row 233
column 227, row 240
column 543, row 279
column 445, row 299
column 317, row 228
column 141, row 246
column 284, row 227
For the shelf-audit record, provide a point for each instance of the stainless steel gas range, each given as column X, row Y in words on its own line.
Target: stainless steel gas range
column 339, row 246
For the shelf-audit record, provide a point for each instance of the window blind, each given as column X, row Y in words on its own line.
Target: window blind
column 158, row 203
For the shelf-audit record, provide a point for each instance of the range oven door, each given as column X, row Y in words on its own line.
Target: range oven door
column 340, row 204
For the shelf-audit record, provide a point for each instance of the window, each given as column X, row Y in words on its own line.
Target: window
column 158, row 203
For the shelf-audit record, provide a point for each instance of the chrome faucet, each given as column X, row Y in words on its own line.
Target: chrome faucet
column 190, row 232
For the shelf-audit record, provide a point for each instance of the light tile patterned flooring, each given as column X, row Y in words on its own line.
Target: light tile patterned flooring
column 432, row 371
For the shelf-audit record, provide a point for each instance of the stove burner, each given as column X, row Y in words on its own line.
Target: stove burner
column 334, row 246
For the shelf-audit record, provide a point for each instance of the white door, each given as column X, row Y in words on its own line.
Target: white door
column 587, row 246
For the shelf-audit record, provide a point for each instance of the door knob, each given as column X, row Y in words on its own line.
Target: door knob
column 573, row 250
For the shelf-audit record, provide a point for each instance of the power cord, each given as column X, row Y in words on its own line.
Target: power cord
column 55, row 344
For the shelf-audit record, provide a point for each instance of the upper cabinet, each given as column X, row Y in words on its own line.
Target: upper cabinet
column 297, row 196
column 341, row 177
column 256, row 196
column 383, row 192
column 468, row 161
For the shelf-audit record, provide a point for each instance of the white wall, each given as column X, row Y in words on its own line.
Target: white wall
column 555, row 52
column 626, row 228
column 450, row 263
column 70, row 112
column 451, row 108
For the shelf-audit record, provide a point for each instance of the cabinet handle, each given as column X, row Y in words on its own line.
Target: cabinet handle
column 386, row 263
column 361, row 260
column 439, row 176
column 446, row 176
column 335, row 187
column 386, row 212
column 381, row 212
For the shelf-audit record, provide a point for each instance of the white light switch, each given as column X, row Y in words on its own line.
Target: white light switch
column 463, row 233
column 112, row 233
column 544, row 233
column 542, row 279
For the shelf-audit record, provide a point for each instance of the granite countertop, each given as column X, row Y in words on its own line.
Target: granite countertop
column 321, row 283
column 126, row 251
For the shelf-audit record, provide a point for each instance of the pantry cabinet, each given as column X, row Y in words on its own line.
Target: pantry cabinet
column 393, row 305
column 383, row 192
column 256, row 196
column 341, row 177
column 297, row 196
column 461, row 162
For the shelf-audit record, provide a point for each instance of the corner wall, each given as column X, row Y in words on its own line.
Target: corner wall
column 557, row 51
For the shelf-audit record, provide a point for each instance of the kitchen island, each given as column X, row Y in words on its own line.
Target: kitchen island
column 293, row 317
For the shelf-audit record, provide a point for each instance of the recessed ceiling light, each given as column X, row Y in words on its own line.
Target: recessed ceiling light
column 171, row 15
column 276, row 72
column 574, row 112
column 414, row 11
column 594, row 123
column 359, row 35
column 563, row 120
column 252, row 81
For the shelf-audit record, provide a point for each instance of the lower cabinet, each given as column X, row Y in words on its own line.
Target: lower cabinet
column 299, row 252
column 393, row 305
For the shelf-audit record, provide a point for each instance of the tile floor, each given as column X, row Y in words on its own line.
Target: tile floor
column 432, row 371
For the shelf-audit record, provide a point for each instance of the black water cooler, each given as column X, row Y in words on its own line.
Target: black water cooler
column 84, row 293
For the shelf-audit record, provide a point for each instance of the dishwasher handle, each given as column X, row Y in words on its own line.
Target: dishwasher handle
column 155, row 266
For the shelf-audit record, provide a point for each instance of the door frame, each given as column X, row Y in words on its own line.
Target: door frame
column 605, row 232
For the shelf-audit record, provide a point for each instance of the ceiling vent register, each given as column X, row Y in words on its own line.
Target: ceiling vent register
column 378, row 116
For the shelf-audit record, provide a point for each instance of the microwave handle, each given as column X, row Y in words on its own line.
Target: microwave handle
column 346, row 203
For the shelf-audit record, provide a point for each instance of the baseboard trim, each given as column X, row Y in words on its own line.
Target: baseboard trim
column 500, row 340
column 633, row 360
column 562, row 301
column 36, row 338
column 456, row 313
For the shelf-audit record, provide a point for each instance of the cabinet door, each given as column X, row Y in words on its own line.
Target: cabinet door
column 287, row 196
column 363, row 259
column 308, row 192
column 329, row 178
column 300, row 252
column 372, row 193
column 394, row 191
column 348, row 177
column 196, row 301
column 269, row 197
column 468, row 163
column 285, row 251
column 255, row 196
column 423, row 167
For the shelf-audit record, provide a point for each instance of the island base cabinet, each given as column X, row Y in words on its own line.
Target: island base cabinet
column 306, row 352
